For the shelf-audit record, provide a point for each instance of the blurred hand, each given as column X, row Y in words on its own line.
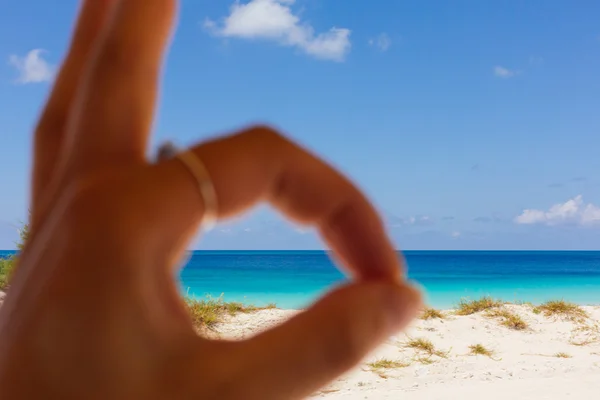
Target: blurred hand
column 93, row 310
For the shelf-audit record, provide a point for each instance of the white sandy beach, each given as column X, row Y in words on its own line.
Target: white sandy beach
column 524, row 365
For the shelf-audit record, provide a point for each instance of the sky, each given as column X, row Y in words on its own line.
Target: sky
column 470, row 124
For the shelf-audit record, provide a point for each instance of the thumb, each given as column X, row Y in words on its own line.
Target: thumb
column 308, row 351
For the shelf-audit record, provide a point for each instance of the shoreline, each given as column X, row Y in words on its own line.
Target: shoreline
column 449, row 309
column 446, row 308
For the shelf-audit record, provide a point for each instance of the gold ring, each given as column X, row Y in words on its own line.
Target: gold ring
column 196, row 167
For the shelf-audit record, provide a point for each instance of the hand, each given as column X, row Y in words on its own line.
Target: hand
column 93, row 310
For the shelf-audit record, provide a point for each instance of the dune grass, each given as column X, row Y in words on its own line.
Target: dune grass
column 205, row 314
column 431, row 313
column 469, row 307
column 425, row 346
column 562, row 355
column 508, row 318
column 8, row 264
column 562, row 309
column 6, row 269
column 383, row 365
column 481, row 350
column 386, row 363
column 582, row 342
column 422, row 344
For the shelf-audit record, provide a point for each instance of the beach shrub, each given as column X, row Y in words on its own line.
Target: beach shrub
column 425, row 346
column 7, row 265
column 479, row 349
column 207, row 313
column 468, row 307
column 385, row 363
column 422, row 344
column 6, row 268
column 562, row 355
column 585, row 333
column 432, row 313
column 562, row 308
column 509, row 319
column 380, row 366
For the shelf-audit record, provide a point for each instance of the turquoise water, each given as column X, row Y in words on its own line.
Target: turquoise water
column 292, row 279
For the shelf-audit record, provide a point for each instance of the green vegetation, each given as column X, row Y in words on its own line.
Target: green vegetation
column 7, row 265
column 479, row 349
column 432, row 313
column 205, row 314
column 381, row 366
column 561, row 308
column 468, row 307
column 421, row 344
column 509, row 319
column 425, row 346
column 562, row 355
column 425, row 360
column 385, row 363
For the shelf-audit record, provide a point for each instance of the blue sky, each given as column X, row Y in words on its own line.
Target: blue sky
column 471, row 124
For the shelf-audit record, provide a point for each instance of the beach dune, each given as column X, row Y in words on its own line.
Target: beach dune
column 503, row 351
column 506, row 351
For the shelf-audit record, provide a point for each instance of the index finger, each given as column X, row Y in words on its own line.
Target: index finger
column 115, row 104
column 261, row 165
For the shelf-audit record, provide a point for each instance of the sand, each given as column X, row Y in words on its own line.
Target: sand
column 524, row 364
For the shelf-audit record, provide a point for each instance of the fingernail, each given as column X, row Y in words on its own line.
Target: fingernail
column 402, row 305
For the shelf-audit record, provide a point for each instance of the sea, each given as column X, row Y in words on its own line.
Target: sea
column 294, row 279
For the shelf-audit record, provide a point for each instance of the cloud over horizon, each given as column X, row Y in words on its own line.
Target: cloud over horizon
column 572, row 212
column 419, row 220
column 274, row 20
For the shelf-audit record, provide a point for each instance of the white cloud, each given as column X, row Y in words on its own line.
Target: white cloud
column 32, row 67
column 382, row 42
column 421, row 220
column 455, row 234
column 502, row 72
column 572, row 212
column 274, row 20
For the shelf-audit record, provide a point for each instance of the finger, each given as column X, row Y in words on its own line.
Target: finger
column 260, row 164
column 115, row 107
column 302, row 355
column 50, row 132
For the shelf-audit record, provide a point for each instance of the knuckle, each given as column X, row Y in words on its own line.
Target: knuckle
column 268, row 136
column 266, row 132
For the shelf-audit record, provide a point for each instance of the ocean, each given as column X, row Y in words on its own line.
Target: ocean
column 293, row 279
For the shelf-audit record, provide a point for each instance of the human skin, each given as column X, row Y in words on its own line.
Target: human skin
column 93, row 309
